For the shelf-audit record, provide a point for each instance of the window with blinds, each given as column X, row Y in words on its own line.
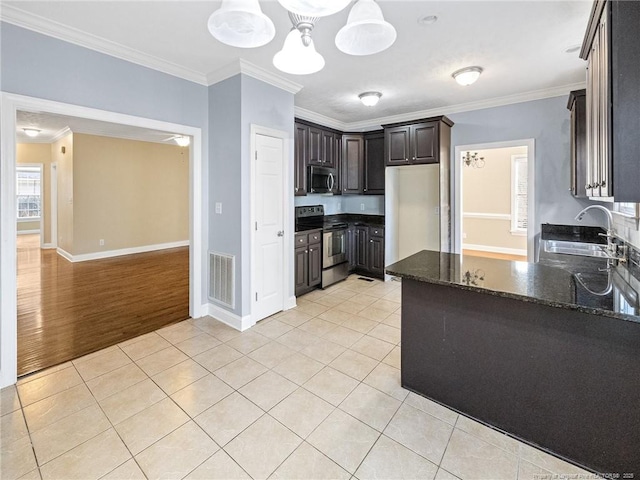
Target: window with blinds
column 28, row 191
column 519, row 182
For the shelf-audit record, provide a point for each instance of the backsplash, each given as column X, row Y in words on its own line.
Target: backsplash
column 334, row 204
column 626, row 228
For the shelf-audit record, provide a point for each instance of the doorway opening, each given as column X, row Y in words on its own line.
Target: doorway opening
column 83, row 260
column 494, row 202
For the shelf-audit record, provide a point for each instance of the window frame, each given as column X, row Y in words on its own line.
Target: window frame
column 31, row 166
column 521, row 158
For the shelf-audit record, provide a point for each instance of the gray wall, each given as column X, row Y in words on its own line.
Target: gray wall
column 44, row 67
column 547, row 121
column 234, row 105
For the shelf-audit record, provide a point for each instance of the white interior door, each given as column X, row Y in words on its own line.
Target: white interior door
column 269, row 225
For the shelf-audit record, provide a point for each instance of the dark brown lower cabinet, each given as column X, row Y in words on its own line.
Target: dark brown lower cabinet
column 308, row 263
column 366, row 250
column 376, row 255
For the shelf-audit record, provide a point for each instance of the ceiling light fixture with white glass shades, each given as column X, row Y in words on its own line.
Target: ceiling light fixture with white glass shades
column 31, row 132
column 241, row 23
column 467, row 76
column 370, row 99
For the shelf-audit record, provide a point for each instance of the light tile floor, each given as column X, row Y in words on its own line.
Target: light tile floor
column 310, row 393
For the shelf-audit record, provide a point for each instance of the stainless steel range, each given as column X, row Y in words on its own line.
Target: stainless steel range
column 334, row 242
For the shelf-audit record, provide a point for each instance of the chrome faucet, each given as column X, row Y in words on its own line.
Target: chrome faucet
column 606, row 211
column 616, row 252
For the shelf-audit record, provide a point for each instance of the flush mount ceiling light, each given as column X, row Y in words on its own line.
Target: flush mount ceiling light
column 182, row 140
column 467, row 76
column 366, row 31
column 241, row 23
column 297, row 58
column 31, row 132
column 370, row 99
column 314, row 8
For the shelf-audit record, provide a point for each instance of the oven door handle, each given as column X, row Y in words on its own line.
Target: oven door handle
column 342, row 239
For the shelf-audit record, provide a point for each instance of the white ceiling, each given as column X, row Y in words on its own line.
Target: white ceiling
column 520, row 44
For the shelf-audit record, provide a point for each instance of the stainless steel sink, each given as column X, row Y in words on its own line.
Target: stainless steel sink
column 576, row 248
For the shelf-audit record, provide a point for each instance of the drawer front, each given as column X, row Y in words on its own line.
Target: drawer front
column 376, row 231
column 315, row 237
column 301, row 240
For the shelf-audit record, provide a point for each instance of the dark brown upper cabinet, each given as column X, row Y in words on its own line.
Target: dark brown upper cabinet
column 328, row 149
column 374, row 163
column 352, row 163
column 315, row 146
column 300, row 159
column 612, row 50
column 418, row 142
column 577, row 106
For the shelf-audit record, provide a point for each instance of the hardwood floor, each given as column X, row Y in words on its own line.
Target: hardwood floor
column 66, row 310
column 501, row 256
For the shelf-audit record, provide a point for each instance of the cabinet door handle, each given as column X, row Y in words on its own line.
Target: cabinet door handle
column 296, row 189
column 306, row 251
column 414, row 158
column 311, row 249
column 588, row 186
column 602, row 183
column 365, row 189
column 406, row 159
column 370, row 241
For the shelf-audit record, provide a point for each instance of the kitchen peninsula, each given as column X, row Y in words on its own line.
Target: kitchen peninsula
column 520, row 348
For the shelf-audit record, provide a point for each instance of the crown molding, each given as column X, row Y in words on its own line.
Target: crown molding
column 63, row 132
column 314, row 117
column 36, row 23
column 466, row 107
column 247, row 68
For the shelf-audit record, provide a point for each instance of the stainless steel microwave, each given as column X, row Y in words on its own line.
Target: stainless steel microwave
column 322, row 180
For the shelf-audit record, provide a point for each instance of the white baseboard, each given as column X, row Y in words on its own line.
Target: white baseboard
column 47, row 246
column 64, row 254
column 485, row 248
column 290, row 303
column 27, row 232
column 227, row 317
column 120, row 252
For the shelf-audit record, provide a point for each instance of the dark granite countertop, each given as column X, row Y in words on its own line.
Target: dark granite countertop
column 356, row 218
column 608, row 292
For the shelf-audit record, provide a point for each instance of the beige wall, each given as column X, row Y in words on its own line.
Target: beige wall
column 487, row 190
column 38, row 153
column 129, row 193
column 64, row 163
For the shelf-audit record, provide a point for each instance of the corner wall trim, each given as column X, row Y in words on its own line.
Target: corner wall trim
column 228, row 318
column 487, row 248
column 120, row 252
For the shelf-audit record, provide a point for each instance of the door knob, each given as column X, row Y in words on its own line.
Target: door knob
column 281, row 233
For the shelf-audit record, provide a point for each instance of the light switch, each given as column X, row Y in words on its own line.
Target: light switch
column 219, row 208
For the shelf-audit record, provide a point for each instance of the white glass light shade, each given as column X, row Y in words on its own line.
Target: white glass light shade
column 31, row 132
column 297, row 59
column 467, row 76
column 366, row 31
column 370, row 99
column 241, row 23
column 314, row 8
column 183, row 141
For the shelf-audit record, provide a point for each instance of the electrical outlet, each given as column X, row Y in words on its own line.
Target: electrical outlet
column 102, row 242
column 219, row 208
column 362, row 207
